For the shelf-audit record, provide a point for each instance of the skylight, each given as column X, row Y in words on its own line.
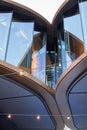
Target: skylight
column 46, row 8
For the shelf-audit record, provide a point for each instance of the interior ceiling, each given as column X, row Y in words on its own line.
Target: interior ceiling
column 46, row 8
column 24, row 105
column 78, row 103
column 72, row 87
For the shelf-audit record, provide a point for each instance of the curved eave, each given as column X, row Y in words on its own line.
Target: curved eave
column 41, row 23
column 64, row 6
column 35, row 14
column 34, row 84
column 58, row 11
column 67, row 5
column 75, row 71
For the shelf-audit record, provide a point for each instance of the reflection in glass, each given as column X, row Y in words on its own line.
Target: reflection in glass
column 71, row 26
column 34, row 60
column 70, row 39
column 20, row 42
column 5, row 21
column 73, row 38
column 38, row 66
column 83, row 12
column 52, row 63
column 66, row 128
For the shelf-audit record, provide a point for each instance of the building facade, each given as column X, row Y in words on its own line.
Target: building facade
column 43, row 67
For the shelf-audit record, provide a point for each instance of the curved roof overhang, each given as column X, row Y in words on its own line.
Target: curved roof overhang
column 41, row 21
column 31, row 83
column 24, row 13
column 69, row 78
column 59, row 15
column 47, row 11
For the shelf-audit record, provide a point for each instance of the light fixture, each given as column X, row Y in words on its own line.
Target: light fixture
column 9, row 116
column 38, row 117
column 59, row 64
column 21, row 72
column 68, row 117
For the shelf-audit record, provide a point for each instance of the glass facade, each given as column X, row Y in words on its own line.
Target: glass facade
column 83, row 15
column 21, row 46
column 5, row 23
column 72, row 35
column 15, row 39
column 34, row 61
column 20, row 41
column 29, row 49
column 38, row 66
column 51, row 63
column 41, row 53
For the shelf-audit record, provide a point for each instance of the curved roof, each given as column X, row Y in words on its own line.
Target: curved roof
column 45, row 8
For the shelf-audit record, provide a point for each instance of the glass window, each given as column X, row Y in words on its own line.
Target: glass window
column 70, row 39
column 83, row 12
column 73, row 37
column 20, row 42
column 39, row 56
column 51, row 62
column 34, row 60
column 5, row 21
column 71, row 26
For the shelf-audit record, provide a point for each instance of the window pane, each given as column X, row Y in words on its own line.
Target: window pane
column 39, row 56
column 73, row 38
column 20, row 41
column 71, row 26
column 5, row 20
column 83, row 12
